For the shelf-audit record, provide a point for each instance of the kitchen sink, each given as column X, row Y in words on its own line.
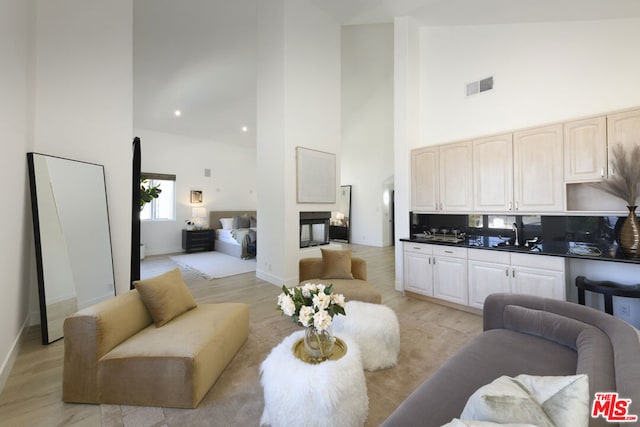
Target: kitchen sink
column 517, row 248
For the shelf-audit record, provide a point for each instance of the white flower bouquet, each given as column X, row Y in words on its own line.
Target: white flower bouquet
column 311, row 305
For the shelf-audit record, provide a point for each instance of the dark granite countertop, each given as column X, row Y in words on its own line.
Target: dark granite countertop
column 579, row 250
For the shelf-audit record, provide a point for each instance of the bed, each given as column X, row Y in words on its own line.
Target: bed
column 238, row 242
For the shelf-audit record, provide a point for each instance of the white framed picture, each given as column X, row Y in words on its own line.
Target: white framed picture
column 315, row 176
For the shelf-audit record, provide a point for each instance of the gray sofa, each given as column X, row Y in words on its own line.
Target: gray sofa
column 536, row 336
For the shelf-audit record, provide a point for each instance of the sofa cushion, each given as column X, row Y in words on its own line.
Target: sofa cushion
column 177, row 364
column 165, row 296
column 336, row 264
column 545, row 401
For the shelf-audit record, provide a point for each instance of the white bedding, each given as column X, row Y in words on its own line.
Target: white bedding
column 225, row 236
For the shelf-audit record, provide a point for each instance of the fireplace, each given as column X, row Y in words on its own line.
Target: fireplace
column 314, row 228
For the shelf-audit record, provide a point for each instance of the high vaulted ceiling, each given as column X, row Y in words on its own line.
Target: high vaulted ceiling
column 199, row 56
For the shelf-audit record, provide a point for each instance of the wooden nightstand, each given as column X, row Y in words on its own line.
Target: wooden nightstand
column 197, row 240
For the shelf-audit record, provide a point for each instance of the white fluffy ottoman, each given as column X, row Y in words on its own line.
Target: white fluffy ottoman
column 375, row 329
column 329, row 394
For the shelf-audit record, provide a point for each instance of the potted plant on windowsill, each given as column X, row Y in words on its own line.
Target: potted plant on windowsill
column 147, row 194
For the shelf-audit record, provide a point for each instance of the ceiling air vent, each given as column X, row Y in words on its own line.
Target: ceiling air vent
column 480, row 86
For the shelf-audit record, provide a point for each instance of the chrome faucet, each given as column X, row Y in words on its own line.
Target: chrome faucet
column 515, row 228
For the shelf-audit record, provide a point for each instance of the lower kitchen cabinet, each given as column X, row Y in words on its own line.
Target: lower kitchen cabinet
column 489, row 273
column 530, row 274
column 418, row 268
column 539, row 275
column 467, row 276
column 450, row 274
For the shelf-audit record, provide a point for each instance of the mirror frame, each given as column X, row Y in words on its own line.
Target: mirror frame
column 38, row 236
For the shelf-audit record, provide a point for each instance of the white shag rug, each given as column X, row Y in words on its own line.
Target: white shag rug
column 213, row 265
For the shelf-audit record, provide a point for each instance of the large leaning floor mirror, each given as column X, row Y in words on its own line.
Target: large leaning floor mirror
column 72, row 239
column 340, row 226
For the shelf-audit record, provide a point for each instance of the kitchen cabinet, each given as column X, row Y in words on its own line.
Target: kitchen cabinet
column 450, row 274
column 538, row 170
column 418, row 268
column 494, row 271
column 585, row 150
column 489, row 272
column 539, row 275
column 424, row 180
column 441, row 178
column 493, row 173
column 623, row 128
column 519, row 172
column 455, row 187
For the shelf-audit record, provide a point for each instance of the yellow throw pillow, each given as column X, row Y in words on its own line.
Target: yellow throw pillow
column 336, row 264
column 165, row 296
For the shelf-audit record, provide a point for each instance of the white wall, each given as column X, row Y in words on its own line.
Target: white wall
column 298, row 105
column 83, row 100
column 367, row 128
column 231, row 186
column 543, row 73
column 16, row 82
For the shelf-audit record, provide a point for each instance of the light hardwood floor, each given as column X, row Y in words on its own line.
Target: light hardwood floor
column 32, row 394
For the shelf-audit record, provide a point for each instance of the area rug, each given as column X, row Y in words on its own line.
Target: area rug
column 213, row 265
column 428, row 338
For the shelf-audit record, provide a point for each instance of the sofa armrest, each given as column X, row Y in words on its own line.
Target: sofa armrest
column 359, row 268
column 93, row 332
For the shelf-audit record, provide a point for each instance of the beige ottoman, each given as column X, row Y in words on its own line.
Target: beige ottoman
column 374, row 327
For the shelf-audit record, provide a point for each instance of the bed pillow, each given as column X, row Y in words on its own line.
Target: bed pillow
column 165, row 296
column 226, row 223
column 240, row 221
column 545, row 401
column 336, row 264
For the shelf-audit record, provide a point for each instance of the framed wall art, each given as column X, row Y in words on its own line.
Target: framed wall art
column 315, row 176
column 196, row 196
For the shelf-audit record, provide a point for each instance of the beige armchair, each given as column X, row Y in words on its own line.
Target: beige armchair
column 313, row 270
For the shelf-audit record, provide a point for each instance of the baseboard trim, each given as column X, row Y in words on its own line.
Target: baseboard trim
column 7, row 364
column 442, row 302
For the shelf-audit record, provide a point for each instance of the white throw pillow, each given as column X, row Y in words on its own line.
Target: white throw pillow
column 551, row 401
column 227, row 223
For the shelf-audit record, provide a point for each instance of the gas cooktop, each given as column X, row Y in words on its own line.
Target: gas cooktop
column 441, row 237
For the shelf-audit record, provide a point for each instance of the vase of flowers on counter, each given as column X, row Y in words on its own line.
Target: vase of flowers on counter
column 313, row 306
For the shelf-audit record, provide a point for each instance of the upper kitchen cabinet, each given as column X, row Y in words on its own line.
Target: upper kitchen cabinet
column 455, row 177
column 585, row 150
column 493, row 173
column 441, row 178
column 424, row 179
column 623, row 128
column 538, row 170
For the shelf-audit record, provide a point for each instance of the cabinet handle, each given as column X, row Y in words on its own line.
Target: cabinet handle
column 513, row 272
column 510, row 205
column 417, row 249
column 448, row 252
column 434, row 261
column 602, row 172
column 429, row 260
column 506, row 271
column 440, row 205
column 516, row 205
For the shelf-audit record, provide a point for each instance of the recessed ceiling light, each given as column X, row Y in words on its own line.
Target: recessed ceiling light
column 177, row 113
column 245, row 129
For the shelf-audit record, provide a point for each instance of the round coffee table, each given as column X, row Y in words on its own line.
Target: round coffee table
column 332, row 393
